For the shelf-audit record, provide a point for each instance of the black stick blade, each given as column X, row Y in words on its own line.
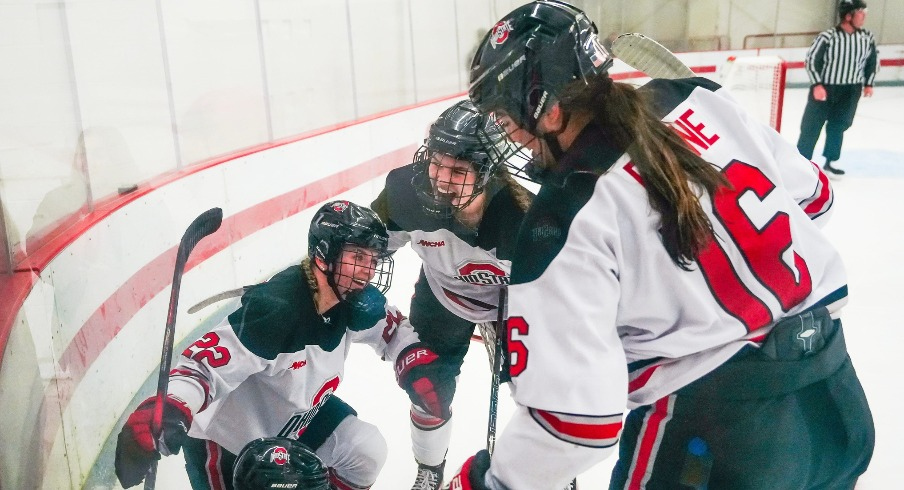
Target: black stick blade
column 206, row 223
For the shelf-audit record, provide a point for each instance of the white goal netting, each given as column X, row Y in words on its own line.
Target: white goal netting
column 758, row 84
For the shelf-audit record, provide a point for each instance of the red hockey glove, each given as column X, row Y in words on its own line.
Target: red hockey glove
column 472, row 473
column 136, row 447
column 429, row 381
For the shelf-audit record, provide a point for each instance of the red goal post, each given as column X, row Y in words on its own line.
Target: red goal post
column 758, row 84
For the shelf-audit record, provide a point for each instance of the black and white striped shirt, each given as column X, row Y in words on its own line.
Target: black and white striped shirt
column 839, row 58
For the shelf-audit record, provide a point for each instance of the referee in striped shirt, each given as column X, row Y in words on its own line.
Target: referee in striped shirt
column 841, row 62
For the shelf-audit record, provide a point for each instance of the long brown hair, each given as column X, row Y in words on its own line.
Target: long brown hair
column 665, row 163
column 522, row 196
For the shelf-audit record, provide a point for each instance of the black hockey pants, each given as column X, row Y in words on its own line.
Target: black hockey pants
column 769, row 418
column 446, row 333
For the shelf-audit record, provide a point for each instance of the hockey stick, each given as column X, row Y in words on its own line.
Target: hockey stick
column 644, row 54
column 232, row 293
column 497, row 367
column 205, row 224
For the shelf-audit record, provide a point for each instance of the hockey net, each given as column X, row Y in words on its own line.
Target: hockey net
column 758, row 84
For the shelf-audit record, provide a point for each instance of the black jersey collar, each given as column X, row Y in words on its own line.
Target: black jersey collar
column 593, row 151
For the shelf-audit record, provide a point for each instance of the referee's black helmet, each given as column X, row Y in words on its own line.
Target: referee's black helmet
column 848, row 6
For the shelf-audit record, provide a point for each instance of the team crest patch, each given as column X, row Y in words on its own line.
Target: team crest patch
column 340, row 206
column 500, row 33
column 545, row 230
column 280, row 455
column 482, row 274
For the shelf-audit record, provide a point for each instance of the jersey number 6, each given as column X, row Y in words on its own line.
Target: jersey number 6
column 517, row 350
column 762, row 250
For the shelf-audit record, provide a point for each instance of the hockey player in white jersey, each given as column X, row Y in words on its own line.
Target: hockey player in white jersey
column 272, row 367
column 673, row 263
column 459, row 208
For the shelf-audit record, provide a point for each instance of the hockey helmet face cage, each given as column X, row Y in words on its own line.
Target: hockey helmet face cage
column 463, row 151
column 354, row 244
column 278, row 462
column 530, row 55
column 356, row 267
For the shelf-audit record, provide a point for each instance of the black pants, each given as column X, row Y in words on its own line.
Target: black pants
column 209, row 465
column 446, row 333
column 786, row 423
column 836, row 113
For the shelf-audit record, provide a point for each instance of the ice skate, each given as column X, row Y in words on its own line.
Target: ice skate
column 429, row 477
column 834, row 170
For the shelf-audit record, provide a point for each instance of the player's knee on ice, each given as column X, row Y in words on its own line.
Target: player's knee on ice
column 356, row 450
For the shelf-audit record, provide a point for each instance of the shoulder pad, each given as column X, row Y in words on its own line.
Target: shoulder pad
column 668, row 94
column 545, row 229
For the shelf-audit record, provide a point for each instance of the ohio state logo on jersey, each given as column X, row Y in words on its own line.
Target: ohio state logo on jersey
column 482, row 274
column 299, row 421
column 279, row 456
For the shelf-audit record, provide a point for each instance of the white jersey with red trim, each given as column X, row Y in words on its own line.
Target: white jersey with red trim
column 269, row 367
column 465, row 279
column 600, row 317
column 464, row 267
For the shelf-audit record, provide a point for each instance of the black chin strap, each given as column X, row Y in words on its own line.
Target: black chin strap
column 330, row 280
column 552, row 140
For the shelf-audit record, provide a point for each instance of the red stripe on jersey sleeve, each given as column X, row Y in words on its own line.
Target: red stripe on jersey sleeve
column 475, row 305
column 641, row 380
column 198, row 378
column 583, row 431
column 823, row 194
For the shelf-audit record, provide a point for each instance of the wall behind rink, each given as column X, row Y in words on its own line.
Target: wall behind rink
column 102, row 95
column 89, row 308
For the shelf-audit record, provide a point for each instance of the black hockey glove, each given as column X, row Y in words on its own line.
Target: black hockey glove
column 472, row 474
column 366, row 307
column 136, row 446
column 429, row 381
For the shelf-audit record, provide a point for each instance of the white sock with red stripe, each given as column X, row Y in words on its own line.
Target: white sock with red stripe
column 430, row 437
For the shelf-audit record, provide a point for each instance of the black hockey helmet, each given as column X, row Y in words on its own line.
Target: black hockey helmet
column 463, row 133
column 847, row 6
column 278, row 462
column 530, row 55
column 338, row 223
